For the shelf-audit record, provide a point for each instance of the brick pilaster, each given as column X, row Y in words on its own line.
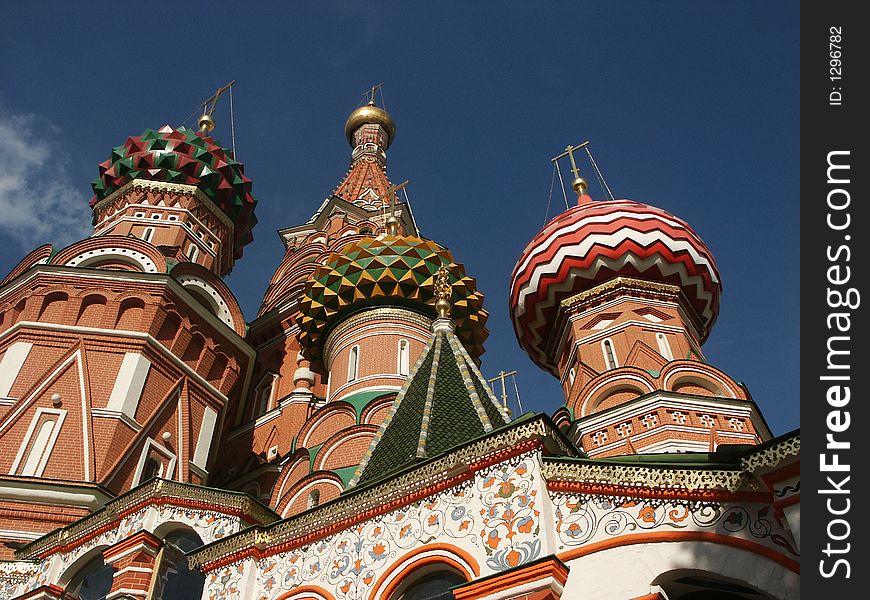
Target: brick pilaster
column 133, row 561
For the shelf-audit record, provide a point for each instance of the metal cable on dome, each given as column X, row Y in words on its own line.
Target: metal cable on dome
column 550, row 195
column 603, row 183
column 232, row 125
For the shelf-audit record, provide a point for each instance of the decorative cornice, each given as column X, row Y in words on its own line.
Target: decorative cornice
column 772, row 455
column 156, row 491
column 420, row 481
column 635, row 479
column 165, row 186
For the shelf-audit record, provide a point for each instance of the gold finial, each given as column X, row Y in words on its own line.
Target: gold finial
column 579, row 184
column 392, row 221
column 206, row 121
column 443, row 291
column 370, row 113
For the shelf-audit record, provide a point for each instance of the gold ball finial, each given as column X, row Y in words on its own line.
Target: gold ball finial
column 392, row 225
column 370, row 113
column 206, row 123
column 579, row 185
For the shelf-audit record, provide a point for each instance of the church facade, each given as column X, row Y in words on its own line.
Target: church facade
column 344, row 445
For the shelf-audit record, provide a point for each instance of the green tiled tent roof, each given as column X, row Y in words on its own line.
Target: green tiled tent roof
column 444, row 403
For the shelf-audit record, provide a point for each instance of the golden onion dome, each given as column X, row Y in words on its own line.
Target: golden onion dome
column 370, row 113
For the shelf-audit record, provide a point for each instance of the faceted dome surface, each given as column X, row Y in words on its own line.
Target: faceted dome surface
column 595, row 242
column 183, row 156
column 391, row 270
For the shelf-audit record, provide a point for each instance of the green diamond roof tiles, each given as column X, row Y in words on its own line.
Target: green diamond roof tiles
column 444, row 403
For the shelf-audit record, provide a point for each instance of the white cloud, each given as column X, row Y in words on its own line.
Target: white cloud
column 38, row 202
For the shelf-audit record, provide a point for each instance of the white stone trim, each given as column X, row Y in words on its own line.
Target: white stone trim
column 129, row 384
column 10, row 366
column 203, row 441
column 102, row 413
column 47, row 447
column 166, row 452
column 156, row 345
column 726, row 388
column 125, row 255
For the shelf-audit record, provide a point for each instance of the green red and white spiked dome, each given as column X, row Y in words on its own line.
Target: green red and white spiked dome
column 188, row 157
column 391, row 270
column 595, row 242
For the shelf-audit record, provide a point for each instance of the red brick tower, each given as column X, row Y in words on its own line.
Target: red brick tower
column 615, row 299
column 119, row 352
column 346, row 316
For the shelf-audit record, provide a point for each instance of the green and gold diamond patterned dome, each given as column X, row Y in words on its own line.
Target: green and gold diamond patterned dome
column 387, row 271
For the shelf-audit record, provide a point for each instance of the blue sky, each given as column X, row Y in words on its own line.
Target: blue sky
column 690, row 106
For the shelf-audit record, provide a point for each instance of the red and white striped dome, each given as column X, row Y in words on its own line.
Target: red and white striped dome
column 597, row 241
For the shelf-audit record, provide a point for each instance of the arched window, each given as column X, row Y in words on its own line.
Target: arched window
column 176, row 580
column 192, row 253
column 148, row 234
column 264, row 394
column 404, row 357
column 664, row 346
column 609, row 355
column 433, row 587
column 572, row 375
column 353, row 364
column 92, row 582
column 151, row 468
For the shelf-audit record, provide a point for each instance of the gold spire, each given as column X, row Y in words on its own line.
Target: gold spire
column 443, row 291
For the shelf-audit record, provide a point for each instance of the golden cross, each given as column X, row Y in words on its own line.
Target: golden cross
column 569, row 152
column 502, row 375
column 214, row 98
column 371, row 92
column 391, row 192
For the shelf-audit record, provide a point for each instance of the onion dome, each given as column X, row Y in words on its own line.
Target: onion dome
column 595, row 242
column 392, row 270
column 373, row 115
column 188, row 157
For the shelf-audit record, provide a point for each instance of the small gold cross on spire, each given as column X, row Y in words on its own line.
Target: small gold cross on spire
column 371, row 93
column 392, row 221
column 579, row 184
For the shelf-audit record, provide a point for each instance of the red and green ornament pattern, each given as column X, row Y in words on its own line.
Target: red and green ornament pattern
column 183, row 156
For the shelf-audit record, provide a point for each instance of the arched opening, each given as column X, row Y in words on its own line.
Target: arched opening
column 194, row 349
column 53, row 307
column 170, row 327
column 609, row 354
column 694, row 584
column 130, row 314
column 92, row 582
column 404, row 357
column 353, row 364
column 91, row 312
column 175, row 578
column 431, row 585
